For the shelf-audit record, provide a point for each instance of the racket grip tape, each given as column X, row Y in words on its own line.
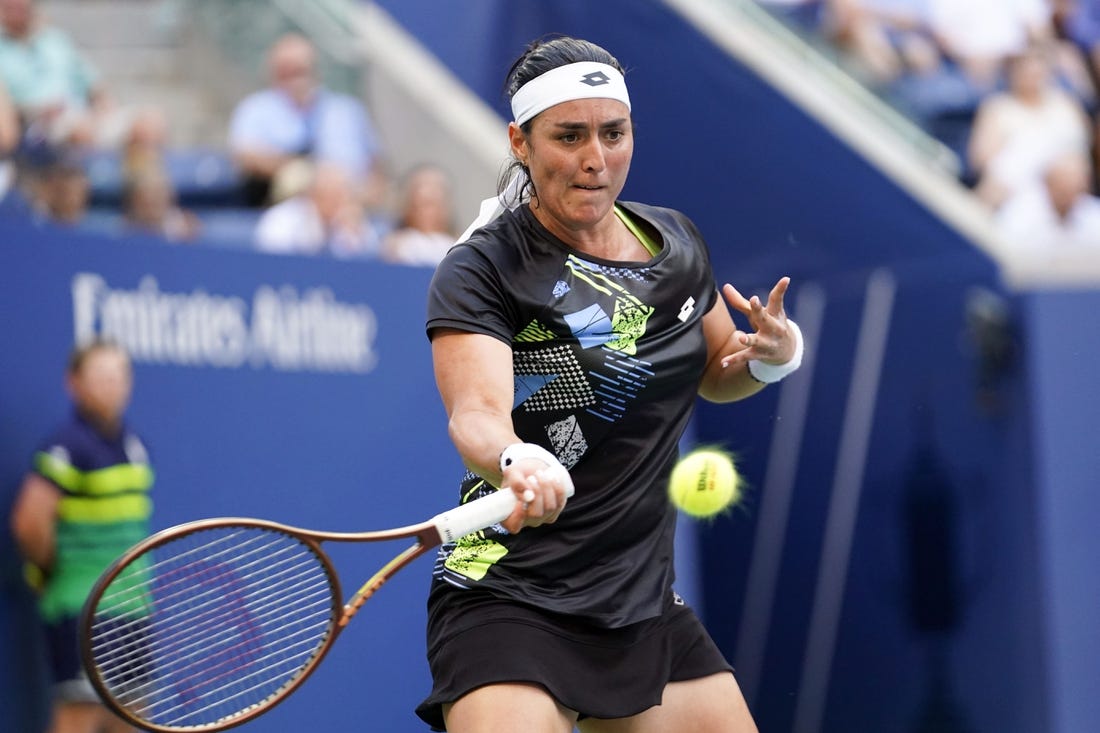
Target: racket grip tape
column 476, row 515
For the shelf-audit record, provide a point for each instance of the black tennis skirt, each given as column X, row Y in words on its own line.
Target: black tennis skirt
column 476, row 640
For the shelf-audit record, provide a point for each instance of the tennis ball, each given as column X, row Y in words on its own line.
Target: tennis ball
column 704, row 482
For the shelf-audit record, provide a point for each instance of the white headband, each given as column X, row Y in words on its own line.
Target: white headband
column 582, row 80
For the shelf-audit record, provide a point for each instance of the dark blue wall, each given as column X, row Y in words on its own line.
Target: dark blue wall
column 947, row 480
column 1061, row 356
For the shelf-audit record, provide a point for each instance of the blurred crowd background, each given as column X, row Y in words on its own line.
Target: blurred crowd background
column 1009, row 86
column 112, row 118
column 106, row 125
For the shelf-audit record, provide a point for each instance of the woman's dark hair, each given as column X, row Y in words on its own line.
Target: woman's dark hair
column 540, row 57
column 548, row 54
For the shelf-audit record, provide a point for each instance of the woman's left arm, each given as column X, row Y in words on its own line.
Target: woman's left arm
column 772, row 340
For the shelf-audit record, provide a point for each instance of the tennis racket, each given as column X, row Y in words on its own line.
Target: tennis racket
column 208, row 624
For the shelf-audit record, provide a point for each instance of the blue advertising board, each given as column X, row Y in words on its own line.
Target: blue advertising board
column 292, row 389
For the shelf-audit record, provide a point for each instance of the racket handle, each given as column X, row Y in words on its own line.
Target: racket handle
column 477, row 514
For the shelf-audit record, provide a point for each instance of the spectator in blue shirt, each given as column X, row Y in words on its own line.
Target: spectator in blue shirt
column 298, row 117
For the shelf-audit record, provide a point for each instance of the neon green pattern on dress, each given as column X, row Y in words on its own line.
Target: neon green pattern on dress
column 628, row 323
column 473, row 555
column 535, row 332
column 631, row 314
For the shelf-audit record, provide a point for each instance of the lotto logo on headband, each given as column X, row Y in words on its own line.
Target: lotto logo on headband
column 595, row 79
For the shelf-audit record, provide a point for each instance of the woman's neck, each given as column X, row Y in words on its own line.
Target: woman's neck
column 609, row 239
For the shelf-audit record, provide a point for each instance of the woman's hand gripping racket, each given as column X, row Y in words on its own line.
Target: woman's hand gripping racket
column 208, row 624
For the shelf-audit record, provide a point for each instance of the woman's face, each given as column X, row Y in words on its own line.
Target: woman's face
column 579, row 155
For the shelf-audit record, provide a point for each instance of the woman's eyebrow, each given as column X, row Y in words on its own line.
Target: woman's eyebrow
column 619, row 122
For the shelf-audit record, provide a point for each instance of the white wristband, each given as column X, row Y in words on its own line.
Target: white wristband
column 519, row 451
column 770, row 373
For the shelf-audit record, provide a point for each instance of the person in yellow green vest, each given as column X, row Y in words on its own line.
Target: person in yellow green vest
column 85, row 500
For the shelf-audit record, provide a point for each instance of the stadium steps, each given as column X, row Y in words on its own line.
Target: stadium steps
column 140, row 48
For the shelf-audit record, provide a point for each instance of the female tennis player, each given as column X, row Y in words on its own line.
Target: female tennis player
column 571, row 333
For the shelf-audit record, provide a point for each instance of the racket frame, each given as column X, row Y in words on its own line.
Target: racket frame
column 426, row 534
column 447, row 526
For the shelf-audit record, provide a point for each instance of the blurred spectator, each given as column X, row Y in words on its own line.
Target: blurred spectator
column 292, row 179
column 57, row 185
column 9, row 138
column 143, row 148
column 1057, row 215
column 425, row 228
column 1017, row 132
column 150, row 200
column 58, row 94
column 9, row 123
column 297, row 117
column 328, row 217
column 149, row 206
column 979, row 36
column 889, row 38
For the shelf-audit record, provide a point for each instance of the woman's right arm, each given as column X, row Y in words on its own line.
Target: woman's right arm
column 474, row 375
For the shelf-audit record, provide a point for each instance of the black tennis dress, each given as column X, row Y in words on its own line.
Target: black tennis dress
column 607, row 358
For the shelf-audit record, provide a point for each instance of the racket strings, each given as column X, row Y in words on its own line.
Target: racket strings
column 218, row 613
column 187, row 710
column 209, row 613
column 195, row 655
column 191, row 644
column 173, row 647
column 211, row 624
column 173, row 582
